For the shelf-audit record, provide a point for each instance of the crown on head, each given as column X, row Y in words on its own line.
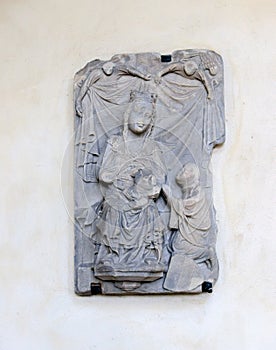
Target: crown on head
column 142, row 96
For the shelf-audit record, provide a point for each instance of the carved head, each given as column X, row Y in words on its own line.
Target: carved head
column 141, row 112
column 140, row 117
column 145, row 182
column 190, row 68
column 108, row 67
column 188, row 177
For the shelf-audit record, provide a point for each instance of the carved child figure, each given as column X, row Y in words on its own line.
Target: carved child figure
column 145, row 188
column 190, row 216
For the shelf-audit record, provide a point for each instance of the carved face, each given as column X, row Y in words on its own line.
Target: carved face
column 188, row 177
column 108, row 68
column 190, row 68
column 140, row 117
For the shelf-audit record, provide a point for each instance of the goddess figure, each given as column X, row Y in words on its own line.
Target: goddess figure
column 130, row 230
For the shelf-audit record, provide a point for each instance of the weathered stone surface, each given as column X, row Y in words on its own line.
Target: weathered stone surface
column 145, row 127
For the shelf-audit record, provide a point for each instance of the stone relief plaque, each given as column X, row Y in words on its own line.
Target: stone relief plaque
column 145, row 128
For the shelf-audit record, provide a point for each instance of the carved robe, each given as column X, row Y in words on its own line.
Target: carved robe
column 130, row 227
column 191, row 218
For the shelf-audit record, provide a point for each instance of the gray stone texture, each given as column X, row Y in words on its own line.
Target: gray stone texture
column 145, row 128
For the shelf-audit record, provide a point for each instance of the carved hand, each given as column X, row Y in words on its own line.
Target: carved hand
column 210, row 95
column 157, row 79
column 79, row 109
column 147, row 77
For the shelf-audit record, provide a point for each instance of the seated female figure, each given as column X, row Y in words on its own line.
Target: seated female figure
column 131, row 176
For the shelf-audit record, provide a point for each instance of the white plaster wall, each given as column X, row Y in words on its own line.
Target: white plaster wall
column 43, row 43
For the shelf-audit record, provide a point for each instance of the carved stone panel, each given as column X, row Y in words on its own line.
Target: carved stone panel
column 145, row 128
